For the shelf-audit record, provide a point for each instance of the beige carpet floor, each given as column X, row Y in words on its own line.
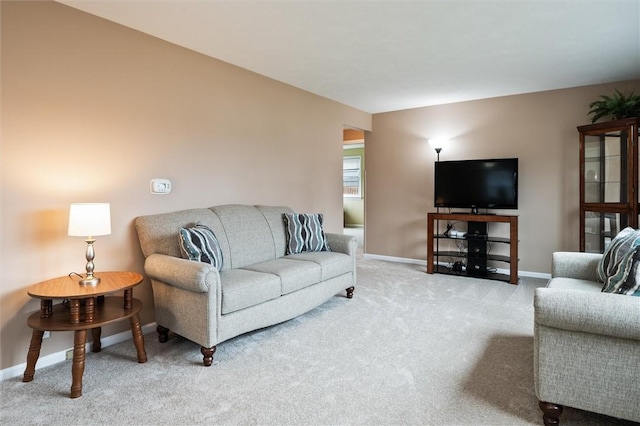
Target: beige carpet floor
column 409, row 348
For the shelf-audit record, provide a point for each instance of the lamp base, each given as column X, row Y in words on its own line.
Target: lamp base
column 90, row 280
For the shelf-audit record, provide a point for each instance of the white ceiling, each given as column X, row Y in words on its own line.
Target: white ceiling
column 381, row 56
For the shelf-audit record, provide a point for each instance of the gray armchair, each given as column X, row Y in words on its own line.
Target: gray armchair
column 586, row 343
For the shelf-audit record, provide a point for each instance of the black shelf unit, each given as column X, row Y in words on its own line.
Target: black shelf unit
column 472, row 262
column 442, row 269
column 495, row 257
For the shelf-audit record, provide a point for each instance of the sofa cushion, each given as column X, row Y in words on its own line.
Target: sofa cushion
column 200, row 244
column 157, row 233
column 294, row 274
column 618, row 267
column 273, row 215
column 242, row 288
column 332, row 264
column 248, row 235
column 304, row 233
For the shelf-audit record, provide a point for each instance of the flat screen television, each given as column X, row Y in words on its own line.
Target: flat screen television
column 477, row 184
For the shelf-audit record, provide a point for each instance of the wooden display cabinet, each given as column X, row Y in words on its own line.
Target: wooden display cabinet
column 608, row 181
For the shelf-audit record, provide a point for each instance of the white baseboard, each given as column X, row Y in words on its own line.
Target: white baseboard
column 54, row 358
column 541, row 275
column 395, row 259
column 424, row 263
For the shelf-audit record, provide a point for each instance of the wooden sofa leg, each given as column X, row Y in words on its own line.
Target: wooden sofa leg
column 350, row 292
column 163, row 334
column 208, row 355
column 550, row 413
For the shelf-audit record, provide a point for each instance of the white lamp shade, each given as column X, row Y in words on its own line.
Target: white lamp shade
column 89, row 219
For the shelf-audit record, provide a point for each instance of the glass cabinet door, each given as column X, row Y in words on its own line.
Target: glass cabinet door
column 608, row 181
column 605, row 168
column 600, row 228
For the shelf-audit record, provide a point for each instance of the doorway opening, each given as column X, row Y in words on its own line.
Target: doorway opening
column 353, row 174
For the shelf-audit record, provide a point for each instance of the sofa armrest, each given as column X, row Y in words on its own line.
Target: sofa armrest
column 578, row 265
column 198, row 277
column 342, row 243
column 588, row 312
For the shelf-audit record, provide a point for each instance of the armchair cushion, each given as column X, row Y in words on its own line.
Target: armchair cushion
column 578, row 265
column 574, row 284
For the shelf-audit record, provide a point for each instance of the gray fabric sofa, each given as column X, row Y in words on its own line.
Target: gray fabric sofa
column 257, row 286
column 586, row 343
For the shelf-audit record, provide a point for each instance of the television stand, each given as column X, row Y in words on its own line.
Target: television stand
column 477, row 255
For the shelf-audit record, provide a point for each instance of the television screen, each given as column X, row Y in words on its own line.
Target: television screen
column 475, row 184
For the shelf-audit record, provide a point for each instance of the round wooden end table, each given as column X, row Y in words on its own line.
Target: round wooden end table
column 87, row 309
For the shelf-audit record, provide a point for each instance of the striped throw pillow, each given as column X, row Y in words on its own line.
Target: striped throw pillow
column 625, row 279
column 621, row 244
column 304, row 233
column 199, row 243
column 618, row 267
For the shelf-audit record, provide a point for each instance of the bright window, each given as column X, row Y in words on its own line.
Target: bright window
column 351, row 176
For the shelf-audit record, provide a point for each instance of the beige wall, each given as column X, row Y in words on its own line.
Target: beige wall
column 538, row 128
column 91, row 111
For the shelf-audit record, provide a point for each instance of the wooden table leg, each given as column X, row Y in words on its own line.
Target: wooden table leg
column 77, row 368
column 74, row 311
column 138, row 338
column 89, row 309
column 96, row 344
column 33, row 355
column 46, row 307
column 128, row 298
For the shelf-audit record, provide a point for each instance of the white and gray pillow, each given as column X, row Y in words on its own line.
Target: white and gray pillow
column 200, row 244
column 304, row 232
column 618, row 268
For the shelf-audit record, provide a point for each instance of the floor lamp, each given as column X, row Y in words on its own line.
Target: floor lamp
column 437, row 144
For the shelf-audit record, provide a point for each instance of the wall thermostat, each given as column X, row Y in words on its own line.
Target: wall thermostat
column 160, row 186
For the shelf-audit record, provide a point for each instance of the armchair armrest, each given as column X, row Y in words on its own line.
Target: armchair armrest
column 341, row 243
column 198, row 277
column 578, row 265
column 588, row 312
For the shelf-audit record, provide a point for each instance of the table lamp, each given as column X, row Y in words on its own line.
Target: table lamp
column 89, row 220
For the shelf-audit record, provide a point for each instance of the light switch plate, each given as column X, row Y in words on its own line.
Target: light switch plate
column 160, row 186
